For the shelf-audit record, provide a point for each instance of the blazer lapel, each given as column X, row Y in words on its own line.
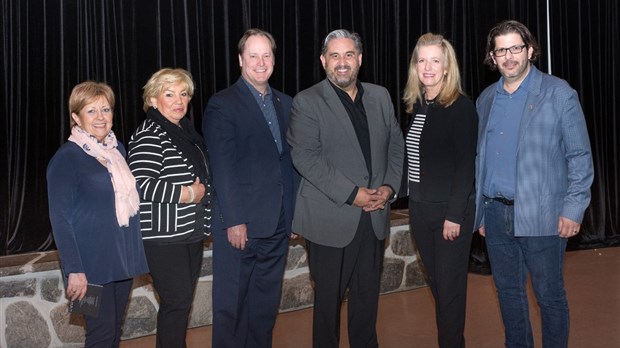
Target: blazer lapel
column 534, row 98
column 277, row 104
column 254, row 112
column 374, row 115
column 485, row 110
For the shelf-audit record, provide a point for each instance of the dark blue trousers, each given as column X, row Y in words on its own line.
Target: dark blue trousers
column 105, row 329
column 246, row 289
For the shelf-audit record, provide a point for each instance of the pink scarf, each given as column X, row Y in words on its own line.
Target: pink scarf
column 127, row 201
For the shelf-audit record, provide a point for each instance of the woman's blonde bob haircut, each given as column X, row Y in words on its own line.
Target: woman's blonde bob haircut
column 163, row 78
column 451, row 88
column 86, row 93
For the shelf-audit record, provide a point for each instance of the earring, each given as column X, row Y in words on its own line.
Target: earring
column 155, row 107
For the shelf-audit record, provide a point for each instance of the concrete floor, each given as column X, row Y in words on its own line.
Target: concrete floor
column 407, row 319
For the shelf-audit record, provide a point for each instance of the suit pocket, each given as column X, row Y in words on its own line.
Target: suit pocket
column 309, row 191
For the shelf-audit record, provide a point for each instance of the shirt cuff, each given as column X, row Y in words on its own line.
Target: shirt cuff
column 352, row 196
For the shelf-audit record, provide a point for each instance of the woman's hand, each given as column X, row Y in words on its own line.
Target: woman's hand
column 77, row 285
column 197, row 188
column 451, row 230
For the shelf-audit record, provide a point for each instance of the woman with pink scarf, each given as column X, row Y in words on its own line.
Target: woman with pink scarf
column 94, row 212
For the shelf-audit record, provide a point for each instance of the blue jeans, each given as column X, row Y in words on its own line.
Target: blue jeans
column 511, row 259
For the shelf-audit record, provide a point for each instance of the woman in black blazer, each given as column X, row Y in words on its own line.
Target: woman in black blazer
column 441, row 149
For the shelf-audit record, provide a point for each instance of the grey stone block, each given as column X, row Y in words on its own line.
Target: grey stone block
column 202, row 309
column 297, row 258
column 70, row 328
column 50, row 290
column 297, row 293
column 28, row 263
column 207, row 266
column 20, row 288
column 392, row 275
column 25, row 326
column 141, row 318
column 401, row 243
column 415, row 276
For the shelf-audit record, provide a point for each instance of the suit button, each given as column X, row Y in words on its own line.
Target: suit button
column 366, row 177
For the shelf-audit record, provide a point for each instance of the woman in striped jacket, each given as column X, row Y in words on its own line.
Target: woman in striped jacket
column 169, row 160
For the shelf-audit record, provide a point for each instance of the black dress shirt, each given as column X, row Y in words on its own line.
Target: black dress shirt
column 357, row 114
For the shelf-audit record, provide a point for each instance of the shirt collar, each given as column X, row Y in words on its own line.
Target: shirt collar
column 255, row 92
column 341, row 93
column 524, row 86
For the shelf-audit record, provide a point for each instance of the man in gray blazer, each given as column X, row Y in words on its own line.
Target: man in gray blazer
column 533, row 175
column 348, row 148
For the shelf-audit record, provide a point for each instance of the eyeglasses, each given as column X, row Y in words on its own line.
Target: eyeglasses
column 500, row 52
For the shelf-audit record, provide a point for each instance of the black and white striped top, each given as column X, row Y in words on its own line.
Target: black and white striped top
column 413, row 146
column 161, row 170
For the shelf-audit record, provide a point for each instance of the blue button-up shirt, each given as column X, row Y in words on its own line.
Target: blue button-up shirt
column 502, row 138
column 265, row 102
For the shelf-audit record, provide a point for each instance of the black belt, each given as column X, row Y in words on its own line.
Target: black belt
column 504, row 201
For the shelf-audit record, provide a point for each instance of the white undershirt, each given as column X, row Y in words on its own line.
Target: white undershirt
column 413, row 147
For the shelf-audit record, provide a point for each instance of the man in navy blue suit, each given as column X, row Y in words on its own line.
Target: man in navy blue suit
column 245, row 130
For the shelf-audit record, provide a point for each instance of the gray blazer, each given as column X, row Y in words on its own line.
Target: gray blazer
column 327, row 154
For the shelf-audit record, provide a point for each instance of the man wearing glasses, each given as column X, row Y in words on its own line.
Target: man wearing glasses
column 533, row 175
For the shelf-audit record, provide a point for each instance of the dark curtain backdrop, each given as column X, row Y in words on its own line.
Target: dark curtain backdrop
column 48, row 46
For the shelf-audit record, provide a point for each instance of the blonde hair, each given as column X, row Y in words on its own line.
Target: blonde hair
column 164, row 78
column 451, row 88
column 84, row 94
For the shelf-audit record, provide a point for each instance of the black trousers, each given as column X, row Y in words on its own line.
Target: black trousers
column 104, row 330
column 446, row 263
column 175, row 269
column 357, row 267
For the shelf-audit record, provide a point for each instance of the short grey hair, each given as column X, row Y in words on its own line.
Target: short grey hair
column 342, row 34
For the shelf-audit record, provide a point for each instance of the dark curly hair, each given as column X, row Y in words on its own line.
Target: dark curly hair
column 508, row 27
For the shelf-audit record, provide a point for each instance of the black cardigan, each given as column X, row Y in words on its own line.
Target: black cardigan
column 447, row 156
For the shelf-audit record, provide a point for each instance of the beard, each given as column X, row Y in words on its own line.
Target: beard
column 342, row 81
column 513, row 69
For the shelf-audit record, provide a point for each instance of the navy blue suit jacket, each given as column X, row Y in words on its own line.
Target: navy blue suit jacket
column 252, row 180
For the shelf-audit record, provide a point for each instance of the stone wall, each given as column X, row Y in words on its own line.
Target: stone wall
column 33, row 307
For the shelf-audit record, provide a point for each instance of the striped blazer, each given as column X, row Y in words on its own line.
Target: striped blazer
column 161, row 171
